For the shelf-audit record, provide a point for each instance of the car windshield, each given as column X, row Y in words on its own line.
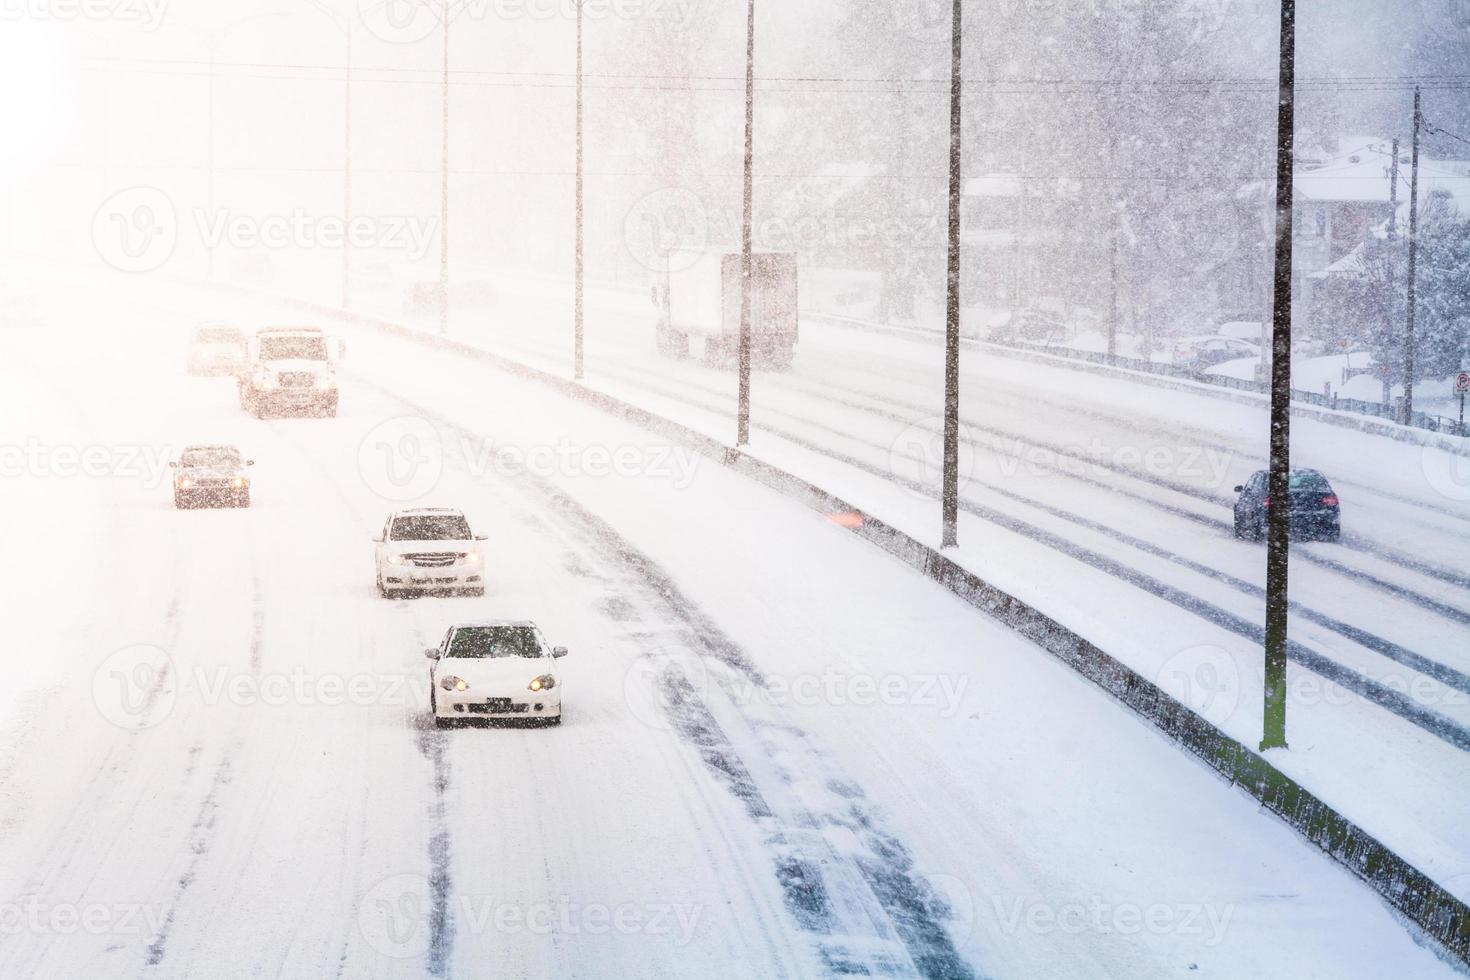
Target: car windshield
column 217, row 456
column 293, row 348
column 222, row 335
column 489, row 642
column 439, row 527
column 1308, row 481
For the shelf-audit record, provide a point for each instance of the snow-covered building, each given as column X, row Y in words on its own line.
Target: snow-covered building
column 1340, row 201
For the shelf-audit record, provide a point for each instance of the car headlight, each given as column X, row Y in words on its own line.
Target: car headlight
column 395, row 559
column 240, row 481
column 184, row 483
column 452, row 683
column 267, row 381
column 543, row 683
column 471, row 559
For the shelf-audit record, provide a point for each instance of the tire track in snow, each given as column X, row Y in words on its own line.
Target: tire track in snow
column 898, row 902
column 1321, row 664
column 206, row 818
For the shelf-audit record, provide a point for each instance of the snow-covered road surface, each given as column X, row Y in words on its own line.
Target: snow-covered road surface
column 784, row 753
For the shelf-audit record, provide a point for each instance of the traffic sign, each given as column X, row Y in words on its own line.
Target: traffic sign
column 1462, row 382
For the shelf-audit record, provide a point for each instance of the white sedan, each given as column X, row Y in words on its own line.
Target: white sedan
column 428, row 550
column 496, row 669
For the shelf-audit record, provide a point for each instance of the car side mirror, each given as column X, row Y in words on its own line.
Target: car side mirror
column 432, row 653
column 558, row 652
column 378, row 539
column 250, row 462
column 482, row 537
column 172, row 465
column 1240, row 489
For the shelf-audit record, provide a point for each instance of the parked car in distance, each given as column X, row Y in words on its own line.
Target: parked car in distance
column 496, row 669
column 429, row 550
column 217, row 348
column 1313, row 510
column 1199, row 354
column 211, row 476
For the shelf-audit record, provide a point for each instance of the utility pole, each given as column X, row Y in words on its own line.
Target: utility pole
column 347, row 170
column 1408, row 415
column 1393, row 233
column 577, row 312
column 1278, row 531
column 742, row 423
column 444, row 185
column 951, row 489
column 209, row 160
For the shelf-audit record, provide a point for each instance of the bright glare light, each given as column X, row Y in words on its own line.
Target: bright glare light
column 34, row 69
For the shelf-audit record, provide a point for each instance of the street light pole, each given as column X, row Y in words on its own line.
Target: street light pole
column 1278, row 531
column 444, row 185
column 578, row 311
column 951, row 489
column 742, row 424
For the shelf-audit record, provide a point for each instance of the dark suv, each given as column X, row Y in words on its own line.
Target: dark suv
column 1312, row 508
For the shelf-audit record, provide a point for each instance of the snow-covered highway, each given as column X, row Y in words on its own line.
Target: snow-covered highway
column 784, row 753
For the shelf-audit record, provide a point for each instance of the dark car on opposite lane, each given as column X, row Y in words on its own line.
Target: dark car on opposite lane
column 1313, row 510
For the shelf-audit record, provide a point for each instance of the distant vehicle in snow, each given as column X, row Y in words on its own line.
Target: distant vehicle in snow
column 699, row 307
column 422, row 298
column 212, row 476
column 1313, row 510
column 290, row 370
column 216, row 348
column 496, row 669
column 1199, row 354
column 427, row 550
column 20, row 308
column 1032, row 325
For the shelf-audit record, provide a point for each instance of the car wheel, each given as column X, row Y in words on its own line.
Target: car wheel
column 330, row 409
column 242, row 499
column 1239, row 529
column 179, row 502
column 383, row 593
